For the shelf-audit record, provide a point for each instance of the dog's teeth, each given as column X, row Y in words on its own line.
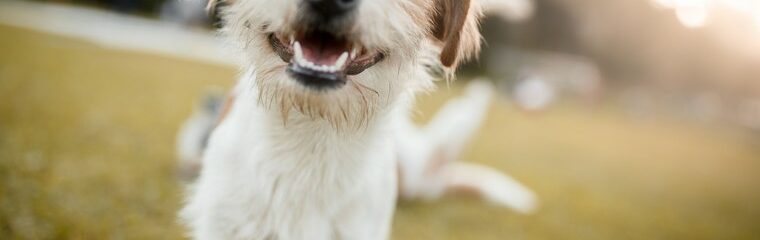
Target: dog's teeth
column 300, row 60
column 341, row 61
column 298, row 52
column 354, row 51
column 292, row 39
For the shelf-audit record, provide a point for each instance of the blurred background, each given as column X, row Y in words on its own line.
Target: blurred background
column 630, row 119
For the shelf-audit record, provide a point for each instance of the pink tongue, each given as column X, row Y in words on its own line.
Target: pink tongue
column 322, row 52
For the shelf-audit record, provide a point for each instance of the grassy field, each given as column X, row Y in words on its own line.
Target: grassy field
column 86, row 152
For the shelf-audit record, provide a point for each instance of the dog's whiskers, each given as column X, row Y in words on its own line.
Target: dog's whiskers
column 365, row 87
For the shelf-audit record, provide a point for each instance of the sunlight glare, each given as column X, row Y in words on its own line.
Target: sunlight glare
column 692, row 15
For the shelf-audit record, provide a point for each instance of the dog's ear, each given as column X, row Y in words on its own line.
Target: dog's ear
column 213, row 10
column 211, row 7
column 455, row 25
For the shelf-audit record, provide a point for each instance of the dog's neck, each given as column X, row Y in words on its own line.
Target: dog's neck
column 307, row 157
column 302, row 137
column 301, row 140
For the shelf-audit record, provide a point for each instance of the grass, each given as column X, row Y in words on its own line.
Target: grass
column 86, row 152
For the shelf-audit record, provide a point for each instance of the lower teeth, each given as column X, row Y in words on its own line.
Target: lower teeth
column 301, row 60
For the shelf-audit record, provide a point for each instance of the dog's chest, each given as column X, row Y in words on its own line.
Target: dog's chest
column 263, row 191
column 264, row 180
column 285, row 206
column 277, row 197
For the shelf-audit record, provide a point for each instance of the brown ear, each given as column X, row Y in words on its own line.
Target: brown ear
column 455, row 24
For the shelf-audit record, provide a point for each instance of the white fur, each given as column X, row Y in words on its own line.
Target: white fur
column 297, row 181
column 292, row 163
column 273, row 171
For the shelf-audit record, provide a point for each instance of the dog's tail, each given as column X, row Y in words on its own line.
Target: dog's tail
column 194, row 133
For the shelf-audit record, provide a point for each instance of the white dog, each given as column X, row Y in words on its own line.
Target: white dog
column 319, row 139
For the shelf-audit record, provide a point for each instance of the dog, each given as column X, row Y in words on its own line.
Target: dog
column 316, row 141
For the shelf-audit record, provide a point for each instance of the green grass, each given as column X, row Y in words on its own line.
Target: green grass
column 86, row 152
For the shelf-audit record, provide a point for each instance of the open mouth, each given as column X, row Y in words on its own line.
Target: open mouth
column 321, row 60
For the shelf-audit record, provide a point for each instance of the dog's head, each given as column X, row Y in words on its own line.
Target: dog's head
column 345, row 60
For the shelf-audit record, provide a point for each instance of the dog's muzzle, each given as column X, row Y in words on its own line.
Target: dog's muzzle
column 321, row 51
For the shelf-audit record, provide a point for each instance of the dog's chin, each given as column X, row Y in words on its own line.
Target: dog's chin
column 346, row 107
column 322, row 61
